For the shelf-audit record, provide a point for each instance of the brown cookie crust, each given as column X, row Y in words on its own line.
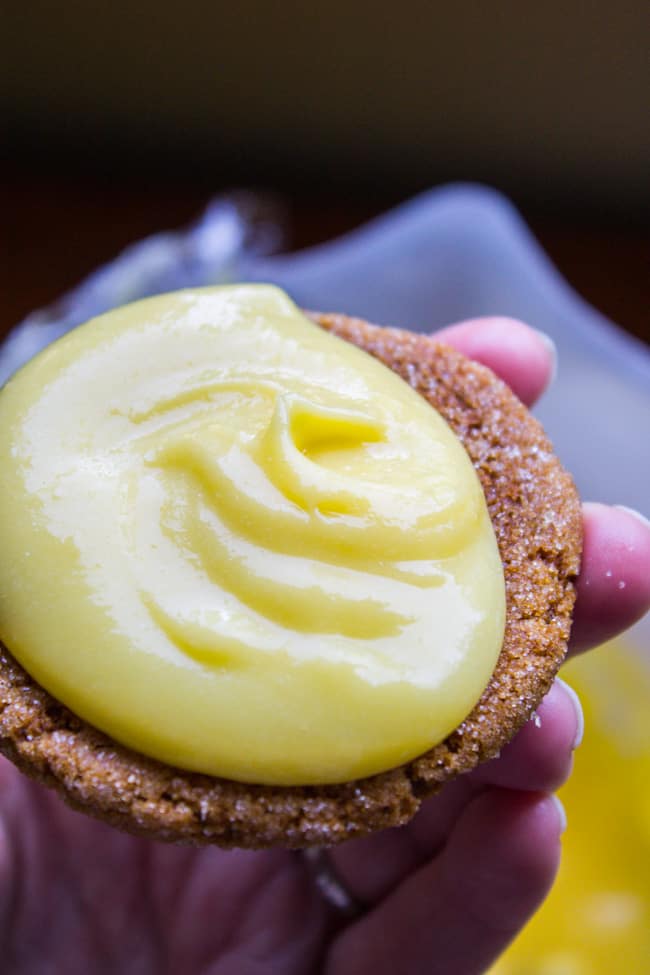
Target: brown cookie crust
column 535, row 511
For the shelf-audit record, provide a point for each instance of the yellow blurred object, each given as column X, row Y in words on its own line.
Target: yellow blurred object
column 597, row 918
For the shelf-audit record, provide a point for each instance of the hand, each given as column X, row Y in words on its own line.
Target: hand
column 444, row 894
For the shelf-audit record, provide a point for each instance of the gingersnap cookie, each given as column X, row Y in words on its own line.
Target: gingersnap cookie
column 534, row 512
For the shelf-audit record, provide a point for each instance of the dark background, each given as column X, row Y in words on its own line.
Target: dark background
column 120, row 120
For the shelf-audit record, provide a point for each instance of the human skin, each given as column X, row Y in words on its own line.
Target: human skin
column 444, row 894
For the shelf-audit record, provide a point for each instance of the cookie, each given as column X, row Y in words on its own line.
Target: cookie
column 535, row 512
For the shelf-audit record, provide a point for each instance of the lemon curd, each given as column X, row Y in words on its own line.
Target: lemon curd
column 596, row 920
column 242, row 546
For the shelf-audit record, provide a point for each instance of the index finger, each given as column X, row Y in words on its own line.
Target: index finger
column 520, row 355
column 613, row 589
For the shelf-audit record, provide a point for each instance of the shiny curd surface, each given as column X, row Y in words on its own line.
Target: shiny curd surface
column 242, row 546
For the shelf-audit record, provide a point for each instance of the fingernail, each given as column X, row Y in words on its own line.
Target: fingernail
column 552, row 352
column 577, row 707
column 635, row 514
column 561, row 812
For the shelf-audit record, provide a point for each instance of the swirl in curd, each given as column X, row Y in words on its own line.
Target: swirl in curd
column 242, row 546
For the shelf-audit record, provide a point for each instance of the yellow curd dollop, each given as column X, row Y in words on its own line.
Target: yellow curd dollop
column 241, row 545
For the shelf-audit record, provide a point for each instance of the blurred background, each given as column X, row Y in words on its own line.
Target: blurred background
column 120, row 121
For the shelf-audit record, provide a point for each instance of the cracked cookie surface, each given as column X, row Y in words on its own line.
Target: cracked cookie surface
column 535, row 512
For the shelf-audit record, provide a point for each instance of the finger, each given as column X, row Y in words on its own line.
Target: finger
column 613, row 589
column 6, row 875
column 539, row 759
column 614, row 584
column 459, row 911
column 523, row 357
